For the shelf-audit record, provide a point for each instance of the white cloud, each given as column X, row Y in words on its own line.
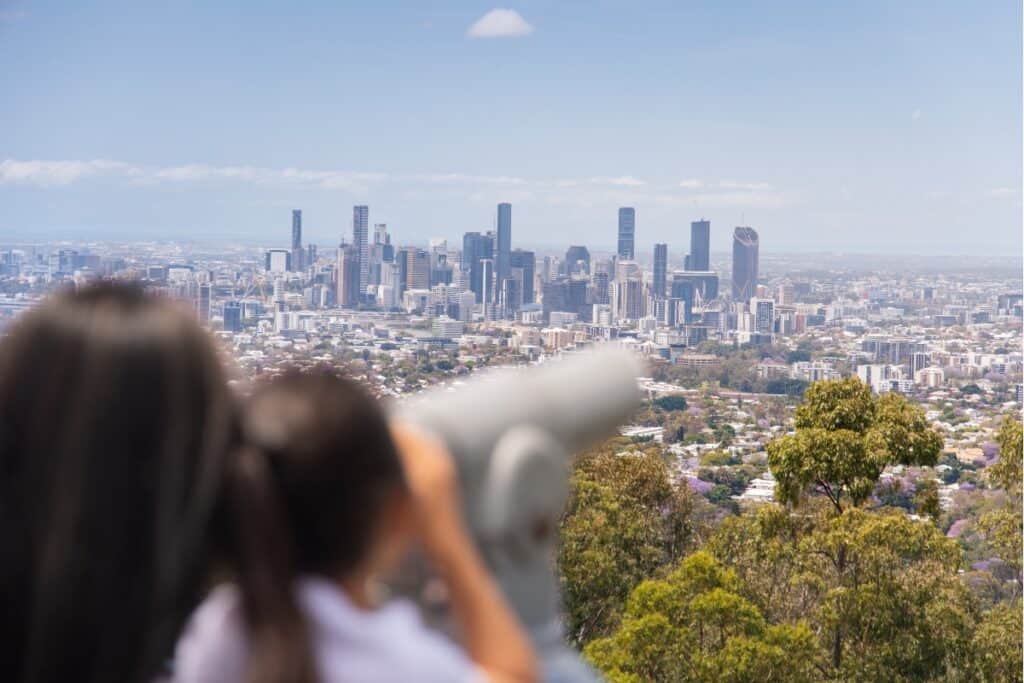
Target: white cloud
column 48, row 173
column 620, row 181
column 749, row 187
column 1002, row 192
column 915, row 115
column 500, row 23
column 582, row 192
column 454, row 178
column 57, row 172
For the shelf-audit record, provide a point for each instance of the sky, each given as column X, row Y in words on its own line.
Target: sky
column 869, row 127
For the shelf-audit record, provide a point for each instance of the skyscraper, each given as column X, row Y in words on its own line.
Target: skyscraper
column 660, row 270
column 475, row 248
column 744, row 263
column 203, row 303
column 347, row 276
column 361, row 244
column 528, row 262
column 700, row 245
column 577, row 259
column 233, row 316
column 417, row 274
column 296, row 228
column 298, row 256
column 627, row 232
column 504, row 246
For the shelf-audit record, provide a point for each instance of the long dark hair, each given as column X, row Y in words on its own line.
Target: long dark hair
column 302, row 496
column 115, row 420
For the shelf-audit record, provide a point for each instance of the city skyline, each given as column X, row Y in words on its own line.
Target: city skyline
column 810, row 122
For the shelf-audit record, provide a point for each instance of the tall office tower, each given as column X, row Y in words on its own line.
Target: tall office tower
column 627, row 232
column 660, row 270
column 233, row 316
column 599, row 283
column 629, row 299
column 705, row 284
column 511, row 295
column 486, row 267
column 417, row 274
column 764, row 315
column 475, row 248
column 376, row 250
column 347, row 276
column 203, row 303
column 361, row 243
column 555, row 297
column 298, row 257
column 683, row 290
column 786, row 294
column 577, row 260
column 545, row 270
column 528, row 262
column 700, row 245
column 504, row 246
column 627, row 270
column 278, row 260
column 744, row 264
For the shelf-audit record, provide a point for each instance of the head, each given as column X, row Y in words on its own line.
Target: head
column 114, row 425
column 317, row 488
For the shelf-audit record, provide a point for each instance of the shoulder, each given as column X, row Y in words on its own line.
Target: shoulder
column 387, row 644
column 212, row 646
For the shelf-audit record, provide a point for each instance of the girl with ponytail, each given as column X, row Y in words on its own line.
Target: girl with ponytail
column 323, row 496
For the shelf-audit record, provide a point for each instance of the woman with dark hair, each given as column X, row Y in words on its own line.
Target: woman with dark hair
column 324, row 497
column 114, row 423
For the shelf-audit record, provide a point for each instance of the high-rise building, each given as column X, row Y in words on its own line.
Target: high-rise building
column 628, row 300
column 744, row 263
column 599, row 283
column 764, row 315
column 683, row 291
column 361, row 243
column 704, row 283
column 786, row 294
column 418, row 269
column 487, row 283
column 577, row 260
column 660, row 270
column 278, row 260
column 504, row 245
column 700, row 245
column 528, row 262
column 233, row 316
column 475, row 248
column 347, row 276
column 298, row 255
column 203, row 303
column 627, row 232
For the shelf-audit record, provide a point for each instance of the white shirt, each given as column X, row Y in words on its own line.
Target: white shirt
column 350, row 644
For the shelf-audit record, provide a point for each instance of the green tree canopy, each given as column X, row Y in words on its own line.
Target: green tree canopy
column 671, row 402
column 1002, row 527
column 625, row 520
column 693, row 625
column 845, row 437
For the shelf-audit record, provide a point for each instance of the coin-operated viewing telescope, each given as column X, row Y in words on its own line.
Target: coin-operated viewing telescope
column 512, row 433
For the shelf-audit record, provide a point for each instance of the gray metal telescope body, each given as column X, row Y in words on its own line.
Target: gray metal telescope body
column 512, row 433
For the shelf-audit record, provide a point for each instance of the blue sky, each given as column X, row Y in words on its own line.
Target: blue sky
column 857, row 126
